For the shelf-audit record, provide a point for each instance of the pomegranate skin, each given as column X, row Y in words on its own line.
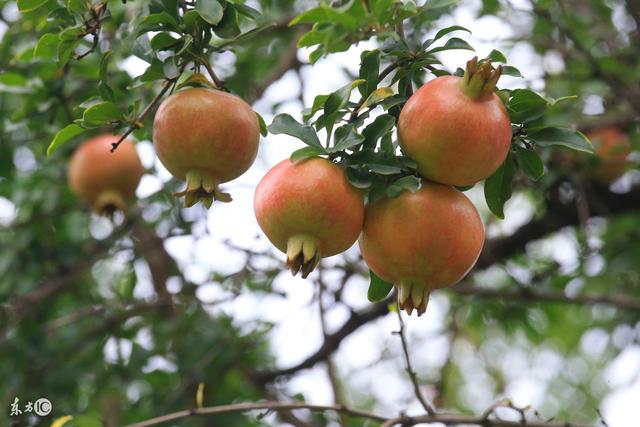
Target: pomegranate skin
column 422, row 241
column 612, row 149
column 308, row 210
column 105, row 179
column 205, row 137
column 454, row 139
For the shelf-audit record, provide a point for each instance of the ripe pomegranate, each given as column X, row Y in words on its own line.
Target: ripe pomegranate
column 456, row 129
column 104, row 179
column 206, row 137
column 612, row 149
column 422, row 241
column 308, row 210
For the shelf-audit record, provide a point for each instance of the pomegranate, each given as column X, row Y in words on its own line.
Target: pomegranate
column 206, row 137
column 455, row 128
column 104, row 179
column 422, row 241
column 612, row 148
column 308, row 210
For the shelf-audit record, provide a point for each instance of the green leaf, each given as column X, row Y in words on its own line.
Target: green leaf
column 102, row 113
column 435, row 4
column 306, row 153
column 443, row 32
column 156, row 22
column 29, row 5
column 47, row 46
column 153, row 71
column 337, row 101
column 325, row 13
column 228, row 27
column 13, row 79
column 65, row 50
column 453, row 43
column 77, row 6
column 565, row 137
column 380, row 126
column 509, row 70
column 530, row 163
column 248, row 11
column 497, row 188
column 345, row 137
column 378, row 288
column 263, row 126
column 526, row 106
column 411, row 183
column 104, row 65
column 376, row 96
column 241, row 38
column 63, row 136
column 285, row 124
column 210, row 10
column 318, row 103
column 369, row 69
column 359, row 177
column 497, row 56
column 163, row 40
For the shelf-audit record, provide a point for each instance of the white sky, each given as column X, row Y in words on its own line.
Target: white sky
column 298, row 333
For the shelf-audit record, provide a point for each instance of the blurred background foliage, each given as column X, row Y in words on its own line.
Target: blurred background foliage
column 553, row 301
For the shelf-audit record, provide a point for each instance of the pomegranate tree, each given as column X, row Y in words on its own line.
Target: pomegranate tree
column 422, row 241
column 104, row 179
column 456, row 128
column 206, row 137
column 308, row 210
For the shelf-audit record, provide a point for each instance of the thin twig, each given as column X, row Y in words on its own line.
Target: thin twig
column 428, row 406
column 137, row 124
column 446, row 419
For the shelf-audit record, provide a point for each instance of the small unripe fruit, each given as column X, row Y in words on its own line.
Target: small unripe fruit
column 105, row 179
column 456, row 129
column 309, row 211
column 422, row 241
column 205, row 137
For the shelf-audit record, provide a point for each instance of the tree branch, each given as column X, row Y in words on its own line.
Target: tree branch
column 428, row 406
column 446, row 419
column 331, row 342
column 531, row 295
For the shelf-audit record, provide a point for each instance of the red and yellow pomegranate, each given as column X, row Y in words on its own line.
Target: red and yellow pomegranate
column 104, row 179
column 206, row 137
column 422, row 241
column 612, row 149
column 309, row 211
column 455, row 128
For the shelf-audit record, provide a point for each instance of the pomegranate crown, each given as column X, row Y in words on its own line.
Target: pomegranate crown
column 480, row 78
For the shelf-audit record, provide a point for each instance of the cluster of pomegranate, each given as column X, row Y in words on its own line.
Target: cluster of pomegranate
column 456, row 129
column 202, row 136
column 458, row 132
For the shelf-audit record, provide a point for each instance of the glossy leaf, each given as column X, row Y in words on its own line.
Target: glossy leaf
column 570, row 138
column 378, row 288
column 285, row 124
column 64, row 135
column 497, row 188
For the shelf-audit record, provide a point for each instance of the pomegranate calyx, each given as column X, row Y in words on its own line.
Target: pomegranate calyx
column 201, row 187
column 108, row 202
column 302, row 254
column 413, row 295
column 480, row 78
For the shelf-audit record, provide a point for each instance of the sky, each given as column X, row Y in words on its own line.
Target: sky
column 297, row 332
